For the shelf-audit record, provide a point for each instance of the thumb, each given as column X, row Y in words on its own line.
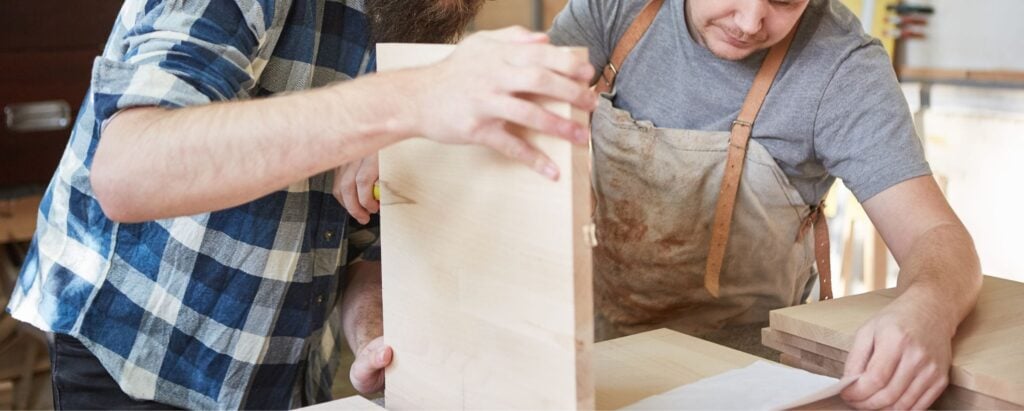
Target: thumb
column 382, row 357
column 860, row 353
column 366, row 373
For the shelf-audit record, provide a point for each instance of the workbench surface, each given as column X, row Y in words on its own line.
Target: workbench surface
column 635, row 367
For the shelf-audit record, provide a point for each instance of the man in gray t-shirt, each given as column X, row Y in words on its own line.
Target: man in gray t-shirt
column 834, row 109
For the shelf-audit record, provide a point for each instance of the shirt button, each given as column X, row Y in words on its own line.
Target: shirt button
column 319, row 299
column 328, row 235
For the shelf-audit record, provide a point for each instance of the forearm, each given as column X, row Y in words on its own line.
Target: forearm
column 362, row 308
column 155, row 163
column 941, row 275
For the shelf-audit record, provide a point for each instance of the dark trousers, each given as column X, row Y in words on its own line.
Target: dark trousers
column 81, row 383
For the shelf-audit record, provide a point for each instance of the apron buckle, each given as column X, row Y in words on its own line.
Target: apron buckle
column 743, row 123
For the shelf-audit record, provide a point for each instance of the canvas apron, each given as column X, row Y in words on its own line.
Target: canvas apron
column 658, row 194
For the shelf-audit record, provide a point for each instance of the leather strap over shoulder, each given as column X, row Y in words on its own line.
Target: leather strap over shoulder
column 629, row 39
column 740, row 136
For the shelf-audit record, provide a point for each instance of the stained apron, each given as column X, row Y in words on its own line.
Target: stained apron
column 656, row 190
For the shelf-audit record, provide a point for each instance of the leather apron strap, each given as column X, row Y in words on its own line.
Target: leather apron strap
column 741, row 129
column 822, row 252
column 740, row 136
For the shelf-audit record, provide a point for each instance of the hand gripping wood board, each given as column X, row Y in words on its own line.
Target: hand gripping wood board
column 820, row 359
column 487, row 283
column 988, row 356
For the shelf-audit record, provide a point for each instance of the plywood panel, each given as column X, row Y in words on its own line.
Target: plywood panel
column 353, row 403
column 486, row 271
column 780, row 340
column 632, row 368
column 987, row 355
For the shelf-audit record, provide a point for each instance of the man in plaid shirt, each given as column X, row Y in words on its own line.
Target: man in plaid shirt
column 189, row 250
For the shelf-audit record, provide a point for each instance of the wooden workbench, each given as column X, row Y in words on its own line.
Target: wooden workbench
column 635, row 367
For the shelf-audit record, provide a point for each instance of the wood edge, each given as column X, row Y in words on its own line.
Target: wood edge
column 931, row 74
column 955, row 396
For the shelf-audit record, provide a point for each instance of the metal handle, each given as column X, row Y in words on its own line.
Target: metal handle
column 37, row 116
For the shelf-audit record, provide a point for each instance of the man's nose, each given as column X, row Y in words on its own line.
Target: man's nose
column 750, row 18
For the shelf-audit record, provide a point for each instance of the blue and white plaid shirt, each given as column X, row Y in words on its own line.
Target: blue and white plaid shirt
column 231, row 309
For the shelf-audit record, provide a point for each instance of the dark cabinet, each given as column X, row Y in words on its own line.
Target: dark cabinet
column 46, row 52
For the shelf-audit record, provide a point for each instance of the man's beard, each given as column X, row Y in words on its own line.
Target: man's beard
column 419, row 21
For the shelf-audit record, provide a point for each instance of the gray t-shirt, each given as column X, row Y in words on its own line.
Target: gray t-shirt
column 835, row 109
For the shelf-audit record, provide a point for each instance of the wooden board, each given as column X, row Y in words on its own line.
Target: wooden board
column 635, row 367
column 987, row 354
column 785, row 342
column 629, row 369
column 353, row 403
column 488, row 298
column 953, row 398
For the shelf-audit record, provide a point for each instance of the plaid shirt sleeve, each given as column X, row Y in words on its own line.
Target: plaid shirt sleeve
column 180, row 53
column 235, row 308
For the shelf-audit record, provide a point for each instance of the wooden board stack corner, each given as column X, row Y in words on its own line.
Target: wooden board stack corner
column 988, row 359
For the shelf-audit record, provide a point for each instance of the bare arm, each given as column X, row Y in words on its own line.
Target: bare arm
column 362, row 320
column 904, row 353
column 939, row 267
column 155, row 163
column 361, row 305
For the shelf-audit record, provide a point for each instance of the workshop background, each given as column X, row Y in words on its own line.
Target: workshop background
column 961, row 64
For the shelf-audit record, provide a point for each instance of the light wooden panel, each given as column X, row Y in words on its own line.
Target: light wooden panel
column 486, row 271
column 780, row 341
column 635, row 367
column 987, row 354
column 353, row 403
column 824, row 360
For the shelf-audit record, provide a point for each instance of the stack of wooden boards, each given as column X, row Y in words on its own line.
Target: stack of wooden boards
column 988, row 356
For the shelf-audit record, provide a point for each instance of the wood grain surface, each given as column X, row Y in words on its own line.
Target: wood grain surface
column 486, row 270
column 988, row 356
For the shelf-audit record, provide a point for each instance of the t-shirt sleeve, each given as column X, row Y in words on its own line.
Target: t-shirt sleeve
column 590, row 24
column 863, row 131
column 180, row 53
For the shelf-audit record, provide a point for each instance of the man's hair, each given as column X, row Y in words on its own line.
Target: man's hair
column 419, row 21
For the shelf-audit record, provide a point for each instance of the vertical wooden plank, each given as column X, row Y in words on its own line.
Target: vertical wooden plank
column 486, row 271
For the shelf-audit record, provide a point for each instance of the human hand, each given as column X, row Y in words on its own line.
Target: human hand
column 353, row 187
column 367, row 372
column 903, row 356
column 487, row 87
